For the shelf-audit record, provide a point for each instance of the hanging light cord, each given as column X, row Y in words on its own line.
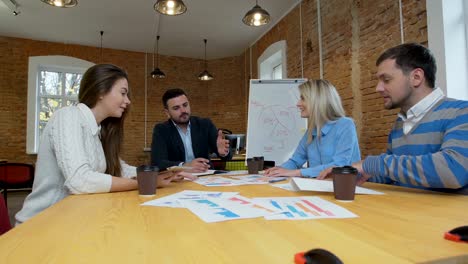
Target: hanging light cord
column 157, row 51
column 154, row 48
column 205, row 54
column 102, row 33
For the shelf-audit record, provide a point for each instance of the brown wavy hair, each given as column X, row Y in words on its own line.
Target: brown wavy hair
column 96, row 82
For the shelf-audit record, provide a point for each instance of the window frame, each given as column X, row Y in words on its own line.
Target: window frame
column 36, row 64
column 266, row 63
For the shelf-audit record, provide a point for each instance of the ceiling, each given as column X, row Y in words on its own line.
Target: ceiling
column 133, row 25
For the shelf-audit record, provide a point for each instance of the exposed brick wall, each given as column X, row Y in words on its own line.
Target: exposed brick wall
column 222, row 99
column 354, row 33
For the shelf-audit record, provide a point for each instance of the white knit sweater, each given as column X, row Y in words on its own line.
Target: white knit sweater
column 70, row 161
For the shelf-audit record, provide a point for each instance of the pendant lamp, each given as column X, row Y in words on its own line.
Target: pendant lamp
column 61, row 3
column 205, row 75
column 157, row 73
column 102, row 33
column 256, row 16
column 170, row 7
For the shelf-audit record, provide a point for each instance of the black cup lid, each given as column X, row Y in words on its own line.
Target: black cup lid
column 345, row 170
column 147, row 168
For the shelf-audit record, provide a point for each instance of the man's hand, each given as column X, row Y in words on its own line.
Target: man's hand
column 278, row 171
column 198, row 165
column 222, row 144
column 364, row 176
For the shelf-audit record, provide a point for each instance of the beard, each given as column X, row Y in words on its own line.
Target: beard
column 181, row 119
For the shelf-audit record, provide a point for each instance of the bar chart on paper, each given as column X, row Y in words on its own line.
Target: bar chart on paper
column 296, row 208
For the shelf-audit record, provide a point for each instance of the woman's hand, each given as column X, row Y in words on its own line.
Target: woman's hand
column 279, row 171
column 164, row 179
column 180, row 176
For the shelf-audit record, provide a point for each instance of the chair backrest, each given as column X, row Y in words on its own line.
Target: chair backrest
column 225, row 131
column 4, row 217
column 16, row 175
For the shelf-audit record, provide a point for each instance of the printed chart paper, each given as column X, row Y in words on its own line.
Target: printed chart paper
column 284, row 186
column 234, row 180
column 305, row 207
column 218, row 209
column 223, row 206
column 301, row 184
column 174, row 200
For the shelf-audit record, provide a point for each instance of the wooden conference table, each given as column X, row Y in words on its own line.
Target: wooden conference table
column 403, row 226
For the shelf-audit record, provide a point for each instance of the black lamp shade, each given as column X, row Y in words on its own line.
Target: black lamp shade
column 256, row 17
column 61, row 3
column 205, row 76
column 157, row 74
column 170, row 7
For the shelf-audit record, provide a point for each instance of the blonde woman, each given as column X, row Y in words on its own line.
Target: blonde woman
column 335, row 144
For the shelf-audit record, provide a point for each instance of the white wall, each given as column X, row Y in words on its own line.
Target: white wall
column 447, row 35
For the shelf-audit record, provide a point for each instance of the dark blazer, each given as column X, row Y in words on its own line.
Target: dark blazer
column 167, row 148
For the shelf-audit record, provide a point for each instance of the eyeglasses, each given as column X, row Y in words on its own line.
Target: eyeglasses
column 317, row 256
column 459, row 234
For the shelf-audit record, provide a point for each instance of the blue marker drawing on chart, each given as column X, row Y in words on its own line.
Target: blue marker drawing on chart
column 215, row 195
column 207, row 202
column 294, row 210
column 226, row 213
column 288, row 214
column 275, row 204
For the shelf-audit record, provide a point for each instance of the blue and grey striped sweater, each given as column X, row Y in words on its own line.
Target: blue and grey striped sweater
column 433, row 155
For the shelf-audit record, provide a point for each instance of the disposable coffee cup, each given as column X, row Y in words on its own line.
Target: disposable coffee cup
column 344, row 183
column 147, row 180
column 261, row 162
column 252, row 166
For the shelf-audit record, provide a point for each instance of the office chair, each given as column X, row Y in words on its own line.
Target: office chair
column 225, row 131
column 15, row 176
column 4, row 217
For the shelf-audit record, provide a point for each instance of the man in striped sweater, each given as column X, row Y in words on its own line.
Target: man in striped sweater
column 428, row 145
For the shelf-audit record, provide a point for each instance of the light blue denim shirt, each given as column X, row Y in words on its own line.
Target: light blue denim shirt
column 187, row 140
column 337, row 147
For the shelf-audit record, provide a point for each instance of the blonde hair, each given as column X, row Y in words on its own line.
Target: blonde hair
column 323, row 104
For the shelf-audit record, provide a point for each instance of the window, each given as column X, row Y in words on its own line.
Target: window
column 277, row 72
column 54, row 82
column 272, row 63
column 57, row 88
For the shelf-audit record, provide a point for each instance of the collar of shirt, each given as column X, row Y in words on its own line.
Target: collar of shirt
column 325, row 129
column 180, row 129
column 422, row 107
column 90, row 119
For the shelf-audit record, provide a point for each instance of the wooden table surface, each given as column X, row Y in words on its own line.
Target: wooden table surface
column 403, row 226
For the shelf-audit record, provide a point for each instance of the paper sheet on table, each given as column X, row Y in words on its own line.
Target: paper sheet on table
column 301, row 184
column 252, row 179
column 236, row 172
column 300, row 208
column 208, row 172
column 218, row 209
column 233, row 180
column 284, row 186
column 179, row 168
column 174, row 200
